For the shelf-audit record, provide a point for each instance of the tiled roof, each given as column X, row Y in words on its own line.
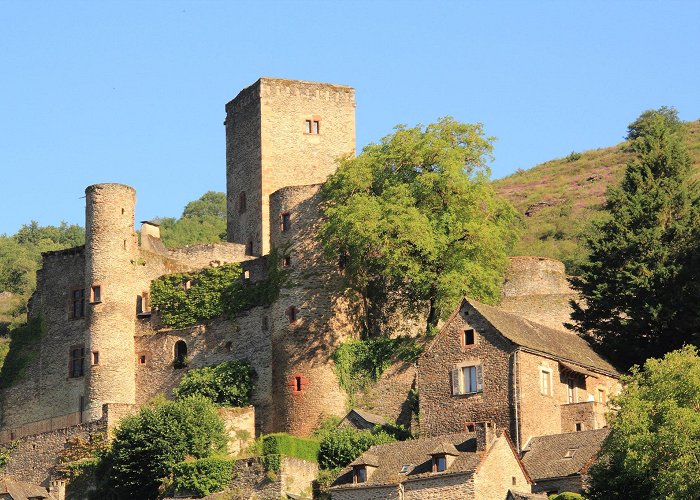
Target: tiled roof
column 543, row 339
column 416, row 453
column 546, row 455
column 22, row 491
column 368, row 417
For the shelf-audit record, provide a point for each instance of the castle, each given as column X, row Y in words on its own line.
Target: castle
column 103, row 354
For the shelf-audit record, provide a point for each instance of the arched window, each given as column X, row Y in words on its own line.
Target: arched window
column 180, row 354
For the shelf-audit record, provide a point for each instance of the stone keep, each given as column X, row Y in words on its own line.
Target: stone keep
column 111, row 253
column 281, row 133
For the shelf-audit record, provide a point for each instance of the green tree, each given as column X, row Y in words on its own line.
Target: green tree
column 226, row 384
column 148, row 445
column 202, row 221
column 640, row 289
column 653, row 450
column 417, row 223
column 343, row 445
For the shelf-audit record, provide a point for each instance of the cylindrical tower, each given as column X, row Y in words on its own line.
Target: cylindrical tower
column 111, row 253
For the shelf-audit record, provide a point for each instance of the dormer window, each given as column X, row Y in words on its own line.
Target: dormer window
column 439, row 463
column 570, row 453
column 360, row 475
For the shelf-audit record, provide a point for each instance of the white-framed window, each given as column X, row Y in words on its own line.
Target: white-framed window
column 467, row 379
column 546, row 381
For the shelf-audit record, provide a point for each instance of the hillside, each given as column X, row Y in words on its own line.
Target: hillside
column 560, row 198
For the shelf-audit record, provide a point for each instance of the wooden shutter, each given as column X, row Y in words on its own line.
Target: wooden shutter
column 479, row 379
column 455, row 382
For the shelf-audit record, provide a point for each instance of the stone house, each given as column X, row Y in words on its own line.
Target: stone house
column 487, row 364
column 559, row 462
column 482, row 464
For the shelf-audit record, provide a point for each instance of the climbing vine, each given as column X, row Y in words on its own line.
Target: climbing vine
column 360, row 363
column 186, row 299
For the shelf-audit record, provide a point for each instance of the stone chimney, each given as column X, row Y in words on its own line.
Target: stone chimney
column 485, row 434
column 57, row 488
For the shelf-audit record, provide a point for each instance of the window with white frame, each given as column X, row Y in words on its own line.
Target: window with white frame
column 467, row 379
column 546, row 381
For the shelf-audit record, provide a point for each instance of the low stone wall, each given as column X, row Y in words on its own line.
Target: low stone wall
column 34, row 459
column 240, row 427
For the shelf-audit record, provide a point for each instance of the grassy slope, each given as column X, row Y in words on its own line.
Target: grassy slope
column 564, row 196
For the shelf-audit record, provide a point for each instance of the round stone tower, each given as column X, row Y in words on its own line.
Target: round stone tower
column 111, row 253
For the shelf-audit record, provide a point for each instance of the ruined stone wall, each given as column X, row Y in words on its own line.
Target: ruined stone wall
column 440, row 411
column 244, row 339
column 46, row 390
column 297, row 476
column 240, row 427
column 209, row 254
column 498, row 472
column 268, row 146
column 314, row 291
column 390, row 396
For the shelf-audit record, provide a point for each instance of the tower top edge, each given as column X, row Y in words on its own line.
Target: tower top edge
column 265, row 81
column 108, row 185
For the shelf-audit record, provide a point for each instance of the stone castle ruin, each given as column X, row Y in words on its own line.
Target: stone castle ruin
column 103, row 354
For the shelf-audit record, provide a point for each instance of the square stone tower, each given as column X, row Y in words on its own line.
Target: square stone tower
column 281, row 133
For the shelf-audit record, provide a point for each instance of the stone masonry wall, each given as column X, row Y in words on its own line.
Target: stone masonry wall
column 559, row 485
column 441, row 412
column 34, row 458
column 303, row 348
column 240, row 427
column 243, row 168
column 45, row 390
column 268, row 147
column 243, row 339
column 541, row 414
column 499, row 471
column 448, row 486
column 377, row 493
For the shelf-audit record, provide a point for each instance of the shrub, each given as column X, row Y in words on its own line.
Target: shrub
column 280, row 444
column 203, row 476
column 567, row 495
column 573, row 156
column 147, row 445
column 225, row 384
column 342, row 446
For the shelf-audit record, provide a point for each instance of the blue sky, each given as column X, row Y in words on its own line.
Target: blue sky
column 134, row 92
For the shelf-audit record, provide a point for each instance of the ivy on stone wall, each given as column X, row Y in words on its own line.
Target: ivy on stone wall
column 203, row 476
column 360, row 363
column 24, row 347
column 186, row 299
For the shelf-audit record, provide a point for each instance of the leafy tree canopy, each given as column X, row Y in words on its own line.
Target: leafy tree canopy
column 654, row 443
column 341, row 446
column 226, row 384
column 148, row 445
column 202, row 221
column 417, row 223
column 641, row 284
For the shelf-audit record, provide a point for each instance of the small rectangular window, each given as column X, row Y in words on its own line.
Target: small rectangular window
column 316, row 127
column 546, row 382
column 440, row 463
column 469, row 339
column 307, row 124
column 142, row 359
column 287, row 261
column 95, row 294
column 361, row 475
column 95, row 358
column 601, row 396
column 579, row 426
column 285, row 222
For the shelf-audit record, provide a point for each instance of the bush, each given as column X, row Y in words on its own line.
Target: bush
column 573, row 156
column 280, row 444
column 225, row 384
column 147, row 445
column 342, row 446
column 567, row 495
column 202, row 477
